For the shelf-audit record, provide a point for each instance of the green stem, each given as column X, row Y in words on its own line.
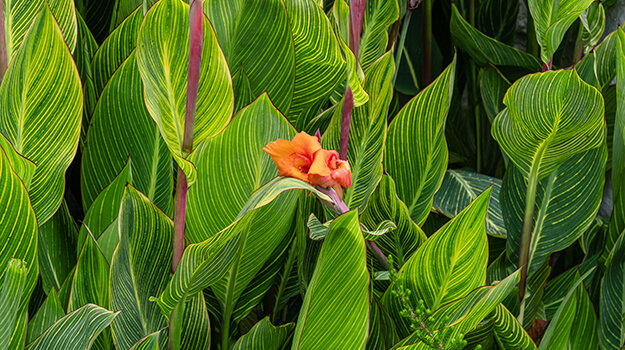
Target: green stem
column 579, row 46
column 475, row 97
column 228, row 303
column 285, row 278
column 526, row 233
column 400, row 45
column 426, row 76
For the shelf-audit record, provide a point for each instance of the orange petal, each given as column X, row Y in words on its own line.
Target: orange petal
column 321, row 169
column 293, row 158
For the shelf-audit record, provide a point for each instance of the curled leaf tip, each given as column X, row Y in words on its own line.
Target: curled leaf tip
column 304, row 159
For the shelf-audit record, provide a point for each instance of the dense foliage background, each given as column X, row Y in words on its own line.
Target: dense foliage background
column 485, row 141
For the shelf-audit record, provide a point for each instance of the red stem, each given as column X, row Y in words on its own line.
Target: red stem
column 356, row 17
column 196, row 41
column 4, row 63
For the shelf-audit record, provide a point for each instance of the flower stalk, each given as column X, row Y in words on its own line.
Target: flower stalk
column 356, row 17
column 196, row 41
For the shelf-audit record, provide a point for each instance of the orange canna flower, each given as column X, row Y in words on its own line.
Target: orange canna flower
column 303, row 158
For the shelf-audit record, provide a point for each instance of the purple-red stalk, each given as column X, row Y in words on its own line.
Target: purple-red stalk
column 356, row 16
column 196, row 41
column 547, row 67
column 4, row 63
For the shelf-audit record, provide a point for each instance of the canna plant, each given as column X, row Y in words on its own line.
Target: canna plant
column 311, row 174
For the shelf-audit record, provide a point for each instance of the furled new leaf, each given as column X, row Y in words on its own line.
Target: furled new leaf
column 264, row 336
column 416, row 151
column 48, row 136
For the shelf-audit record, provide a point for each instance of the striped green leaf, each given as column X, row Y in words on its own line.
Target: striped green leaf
column 484, row 49
column 574, row 324
column 382, row 333
column 606, row 58
column 320, row 66
column 86, row 48
column 243, row 94
column 115, row 50
column 77, row 330
column 19, row 15
column 123, row 9
column 612, row 302
column 319, row 230
column 617, row 220
column 195, row 325
column 97, row 15
column 549, row 117
column 497, row 19
column 493, row 87
column 13, row 287
column 593, row 20
column 47, row 136
column 379, row 15
column 336, row 315
column 57, row 250
column 121, row 127
column 264, row 336
column 140, row 268
column 18, row 226
column 384, row 205
column 101, row 219
column 49, row 312
column 149, row 342
column 269, row 59
column 460, row 187
column 24, row 168
column 566, row 203
column 509, row 333
column 416, row 151
column 367, row 133
column 552, row 20
column 448, row 266
column 163, row 60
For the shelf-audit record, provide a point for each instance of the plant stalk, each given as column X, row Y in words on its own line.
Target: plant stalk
column 228, row 302
column 4, row 62
column 356, row 16
column 526, row 233
column 196, row 41
column 426, row 76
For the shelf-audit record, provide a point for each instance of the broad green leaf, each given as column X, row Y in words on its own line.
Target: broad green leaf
column 319, row 230
column 268, row 58
column 264, row 336
column 566, row 322
column 140, row 268
column 460, row 187
column 196, row 324
column 18, row 227
column 367, row 133
column 336, row 315
column 121, row 127
column 123, row 9
column 448, row 266
column 355, row 76
column 383, row 205
column 56, row 249
column 23, row 167
column 243, row 94
column 42, row 127
column 484, row 49
column 101, row 217
column 552, row 19
column 115, row 50
column 416, row 151
column 493, row 87
column 382, row 333
column 320, row 66
column 379, row 15
column 97, row 15
column 149, row 342
column 163, row 60
column 566, row 203
column 13, row 286
column 509, row 333
column 49, row 312
column 606, row 58
column 593, row 20
column 19, row 15
column 549, row 117
column 77, row 330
